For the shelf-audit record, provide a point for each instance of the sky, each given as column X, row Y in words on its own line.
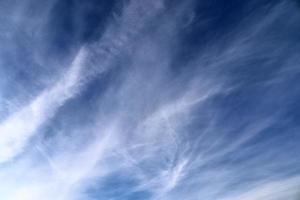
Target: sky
column 149, row 100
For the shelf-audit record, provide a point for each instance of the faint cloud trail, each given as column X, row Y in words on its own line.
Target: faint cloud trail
column 18, row 128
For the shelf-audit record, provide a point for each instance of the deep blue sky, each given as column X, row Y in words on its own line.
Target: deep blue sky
column 158, row 100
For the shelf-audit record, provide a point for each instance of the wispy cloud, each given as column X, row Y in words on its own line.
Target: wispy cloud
column 216, row 127
column 17, row 129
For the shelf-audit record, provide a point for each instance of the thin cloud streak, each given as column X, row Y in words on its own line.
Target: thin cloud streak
column 17, row 130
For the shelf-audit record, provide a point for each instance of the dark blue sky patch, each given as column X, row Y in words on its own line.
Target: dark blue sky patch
column 118, row 186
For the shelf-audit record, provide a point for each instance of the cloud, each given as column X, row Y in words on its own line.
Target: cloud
column 215, row 127
column 282, row 189
column 20, row 127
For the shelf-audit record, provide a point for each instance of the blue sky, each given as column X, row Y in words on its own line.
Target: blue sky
column 149, row 100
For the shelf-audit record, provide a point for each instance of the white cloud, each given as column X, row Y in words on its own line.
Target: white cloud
column 148, row 126
column 18, row 128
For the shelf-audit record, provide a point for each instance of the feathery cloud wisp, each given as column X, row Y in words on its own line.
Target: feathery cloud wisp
column 146, row 111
